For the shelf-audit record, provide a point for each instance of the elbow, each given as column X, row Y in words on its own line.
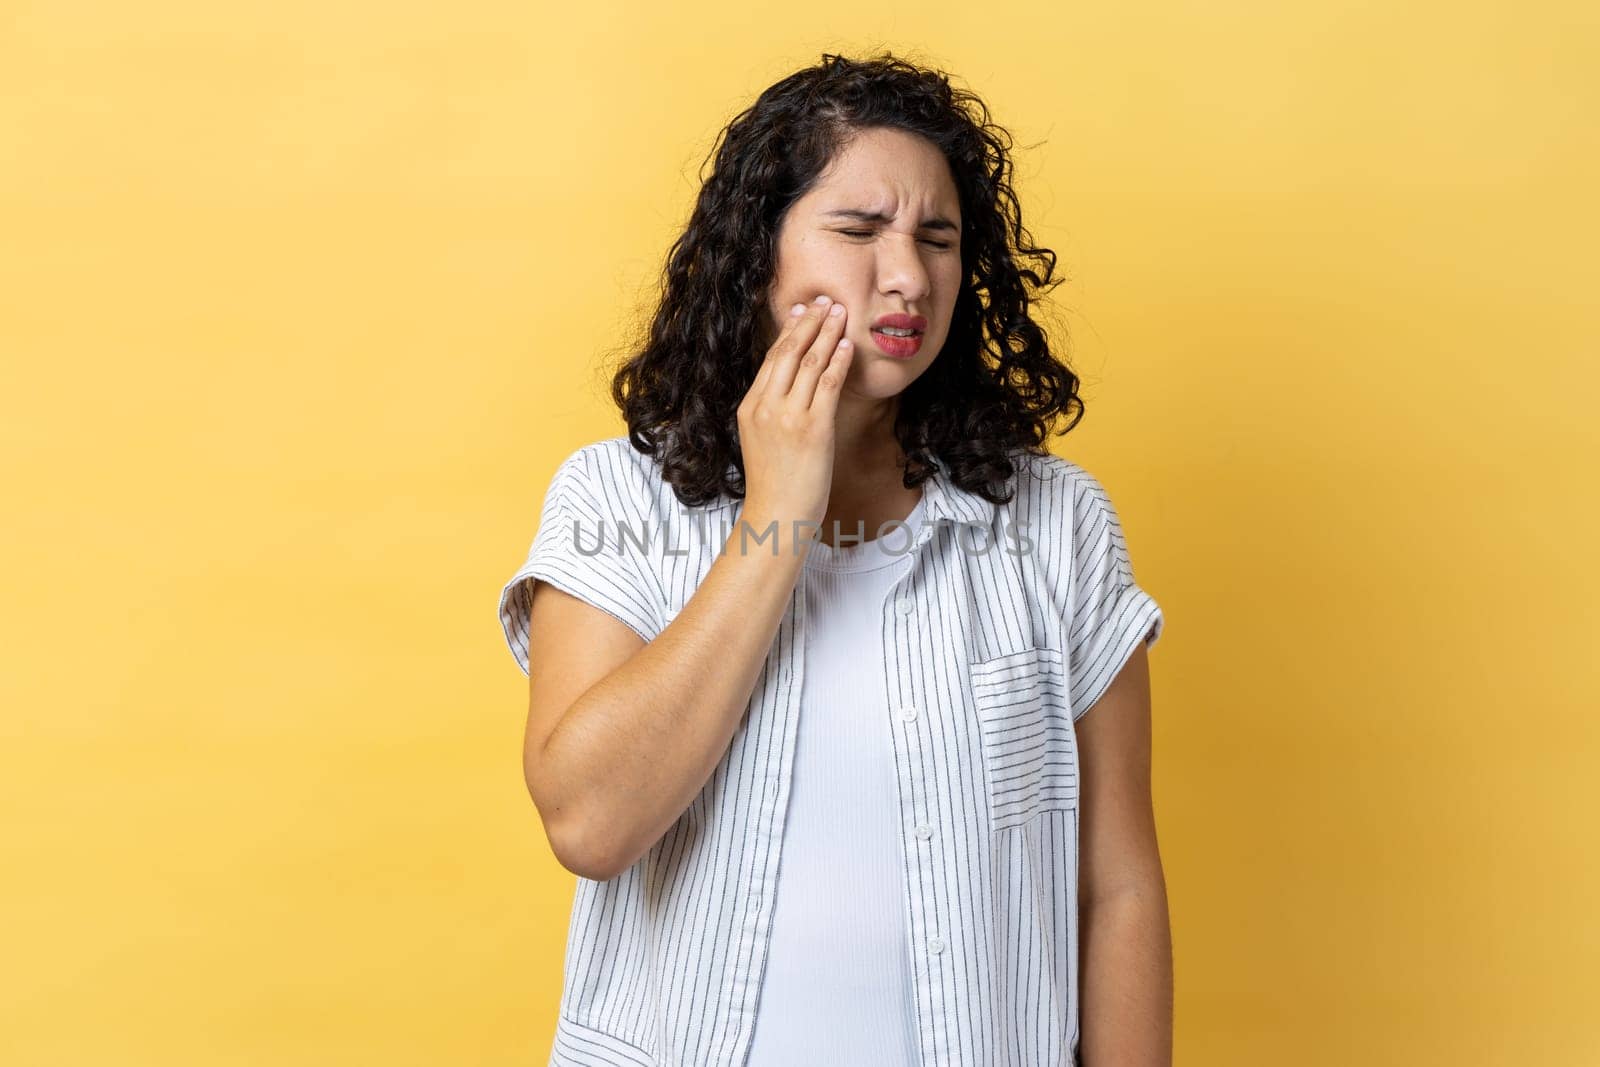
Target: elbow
column 582, row 858
column 581, row 861
column 1136, row 895
column 575, row 847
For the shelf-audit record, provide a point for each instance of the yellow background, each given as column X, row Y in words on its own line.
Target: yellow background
column 301, row 303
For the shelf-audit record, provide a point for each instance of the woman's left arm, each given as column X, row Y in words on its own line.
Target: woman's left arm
column 1126, row 939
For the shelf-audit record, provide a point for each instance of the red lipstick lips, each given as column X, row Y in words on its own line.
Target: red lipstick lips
column 903, row 346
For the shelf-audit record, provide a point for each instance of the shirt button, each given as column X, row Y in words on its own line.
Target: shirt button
column 936, row 945
column 908, row 713
column 903, row 605
column 924, row 831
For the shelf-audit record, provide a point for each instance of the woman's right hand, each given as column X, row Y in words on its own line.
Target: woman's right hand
column 786, row 419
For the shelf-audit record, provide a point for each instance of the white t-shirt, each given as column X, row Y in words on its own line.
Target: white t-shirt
column 837, row 986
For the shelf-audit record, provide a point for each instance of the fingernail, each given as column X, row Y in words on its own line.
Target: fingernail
column 823, row 299
column 798, row 309
column 837, row 309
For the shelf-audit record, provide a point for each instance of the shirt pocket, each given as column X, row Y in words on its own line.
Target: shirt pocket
column 1030, row 751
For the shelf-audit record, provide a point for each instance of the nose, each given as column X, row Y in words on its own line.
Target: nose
column 900, row 267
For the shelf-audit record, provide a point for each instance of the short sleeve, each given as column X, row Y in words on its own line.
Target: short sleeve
column 1109, row 613
column 579, row 549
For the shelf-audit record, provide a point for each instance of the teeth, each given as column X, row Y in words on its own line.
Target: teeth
column 894, row 331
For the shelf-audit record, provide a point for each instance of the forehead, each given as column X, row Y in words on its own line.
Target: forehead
column 888, row 171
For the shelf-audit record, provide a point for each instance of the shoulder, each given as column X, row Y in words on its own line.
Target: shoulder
column 609, row 459
column 611, row 469
column 1048, row 483
column 1066, row 514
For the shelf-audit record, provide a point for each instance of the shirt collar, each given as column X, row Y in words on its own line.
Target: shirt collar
column 947, row 500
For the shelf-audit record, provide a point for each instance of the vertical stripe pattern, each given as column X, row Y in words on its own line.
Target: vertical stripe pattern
column 1008, row 624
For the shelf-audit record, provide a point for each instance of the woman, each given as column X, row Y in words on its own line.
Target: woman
column 727, row 669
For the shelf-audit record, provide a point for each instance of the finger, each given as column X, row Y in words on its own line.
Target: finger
column 825, row 400
column 786, row 356
column 818, row 357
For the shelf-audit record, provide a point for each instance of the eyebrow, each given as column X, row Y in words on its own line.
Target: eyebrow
column 936, row 222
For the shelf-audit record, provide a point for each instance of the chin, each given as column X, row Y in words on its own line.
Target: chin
column 884, row 378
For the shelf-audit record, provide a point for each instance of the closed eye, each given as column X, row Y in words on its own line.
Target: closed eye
column 868, row 233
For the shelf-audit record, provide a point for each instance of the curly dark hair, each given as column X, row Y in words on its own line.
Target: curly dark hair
column 994, row 388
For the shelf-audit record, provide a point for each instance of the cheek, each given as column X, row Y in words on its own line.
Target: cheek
column 950, row 275
column 822, row 267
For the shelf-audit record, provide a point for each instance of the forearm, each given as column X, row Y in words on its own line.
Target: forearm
column 633, row 752
column 1127, row 983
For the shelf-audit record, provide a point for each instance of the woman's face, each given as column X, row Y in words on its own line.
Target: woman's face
column 880, row 233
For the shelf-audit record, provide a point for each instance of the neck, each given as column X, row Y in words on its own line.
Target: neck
column 865, row 451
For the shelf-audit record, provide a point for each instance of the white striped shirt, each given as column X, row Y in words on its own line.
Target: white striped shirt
column 990, row 654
